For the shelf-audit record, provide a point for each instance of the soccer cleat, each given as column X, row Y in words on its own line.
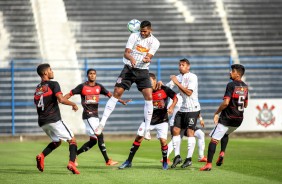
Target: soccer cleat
column 165, row 166
column 111, row 162
column 203, row 159
column 187, row 162
column 71, row 167
column 99, row 129
column 126, row 164
column 147, row 135
column 168, row 161
column 40, row 162
column 207, row 167
column 219, row 161
column 177, row 160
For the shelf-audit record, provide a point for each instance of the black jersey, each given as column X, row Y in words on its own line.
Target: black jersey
column 90, row 96
column 160, row 101
column 46, row 102
column 237, row 92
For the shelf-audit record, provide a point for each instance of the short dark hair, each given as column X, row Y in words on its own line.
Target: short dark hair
column 185, row 60
column 42, row 68
column 90, row 69
column 145, row 23
column 153, row 76
column 239, row 68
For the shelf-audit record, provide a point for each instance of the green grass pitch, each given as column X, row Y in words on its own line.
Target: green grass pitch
column 246, row 161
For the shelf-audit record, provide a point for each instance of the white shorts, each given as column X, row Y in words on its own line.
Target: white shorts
column 90, row 125
column 161, row 129
column 58, row 131
column 220, row 130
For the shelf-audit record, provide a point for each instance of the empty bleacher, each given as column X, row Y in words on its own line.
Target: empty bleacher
column 100, row 27
column 256, row 26
column 19, row 22
column 25, row 80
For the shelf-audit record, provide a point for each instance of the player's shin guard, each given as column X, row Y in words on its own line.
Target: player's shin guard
column 224, row 142
column 176, row 144
column 52, row 146
column 191, row 146
column 133, row 150
column 102, row 147
column 110, row 106
column 170, row 148
column 88, row 145
column 164, row 153
column 201, row 142
column 211, row 151
column 73, row 151
column 148, row 112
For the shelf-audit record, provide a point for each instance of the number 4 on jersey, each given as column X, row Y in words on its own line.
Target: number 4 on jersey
column 41, row 103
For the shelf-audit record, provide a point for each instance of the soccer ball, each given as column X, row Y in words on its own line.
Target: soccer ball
column 133, row 26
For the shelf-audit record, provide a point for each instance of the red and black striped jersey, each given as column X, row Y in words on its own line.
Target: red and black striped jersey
column 237, row 92
column 160, row 101
column 46, row 102
column 90, row 96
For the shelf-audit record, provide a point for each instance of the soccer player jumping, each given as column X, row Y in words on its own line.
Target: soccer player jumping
column 231, row 114
column 138, row 53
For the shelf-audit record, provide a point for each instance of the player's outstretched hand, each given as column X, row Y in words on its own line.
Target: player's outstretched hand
column 170, row 110
column 202, row 123
column 124, row 102
column 159, row 85
column 74, row 108
column 133, row 63
column 146, row 59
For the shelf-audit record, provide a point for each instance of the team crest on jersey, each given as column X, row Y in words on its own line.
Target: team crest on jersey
column 119, row 80
column 41, row 90
column 265, row 116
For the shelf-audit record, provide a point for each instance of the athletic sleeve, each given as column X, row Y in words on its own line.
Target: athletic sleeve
column 77, row 90
column 56, row 88
column 229, row 90
column 154, row 47
column 193, row 82
column 104, row 91
column 171, row 84
column 170, row 93
column 131, row 41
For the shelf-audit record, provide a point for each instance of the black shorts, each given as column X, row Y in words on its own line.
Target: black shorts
column 184, row 120
column 130, row 75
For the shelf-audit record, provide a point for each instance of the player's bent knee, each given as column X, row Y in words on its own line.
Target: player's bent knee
column 72, row 141
column 214, row 141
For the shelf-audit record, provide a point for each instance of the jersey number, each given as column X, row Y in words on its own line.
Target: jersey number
column 241, row 102
column 41, row 103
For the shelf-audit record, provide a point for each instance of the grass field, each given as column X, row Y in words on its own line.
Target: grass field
column 246, row 161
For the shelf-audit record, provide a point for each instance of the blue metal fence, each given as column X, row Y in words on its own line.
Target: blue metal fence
column 258, row 62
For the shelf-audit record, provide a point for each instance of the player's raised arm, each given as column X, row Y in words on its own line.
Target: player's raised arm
column 65, row 101
column 187, row 91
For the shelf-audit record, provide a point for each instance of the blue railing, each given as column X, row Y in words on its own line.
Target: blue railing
column 157, row 65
